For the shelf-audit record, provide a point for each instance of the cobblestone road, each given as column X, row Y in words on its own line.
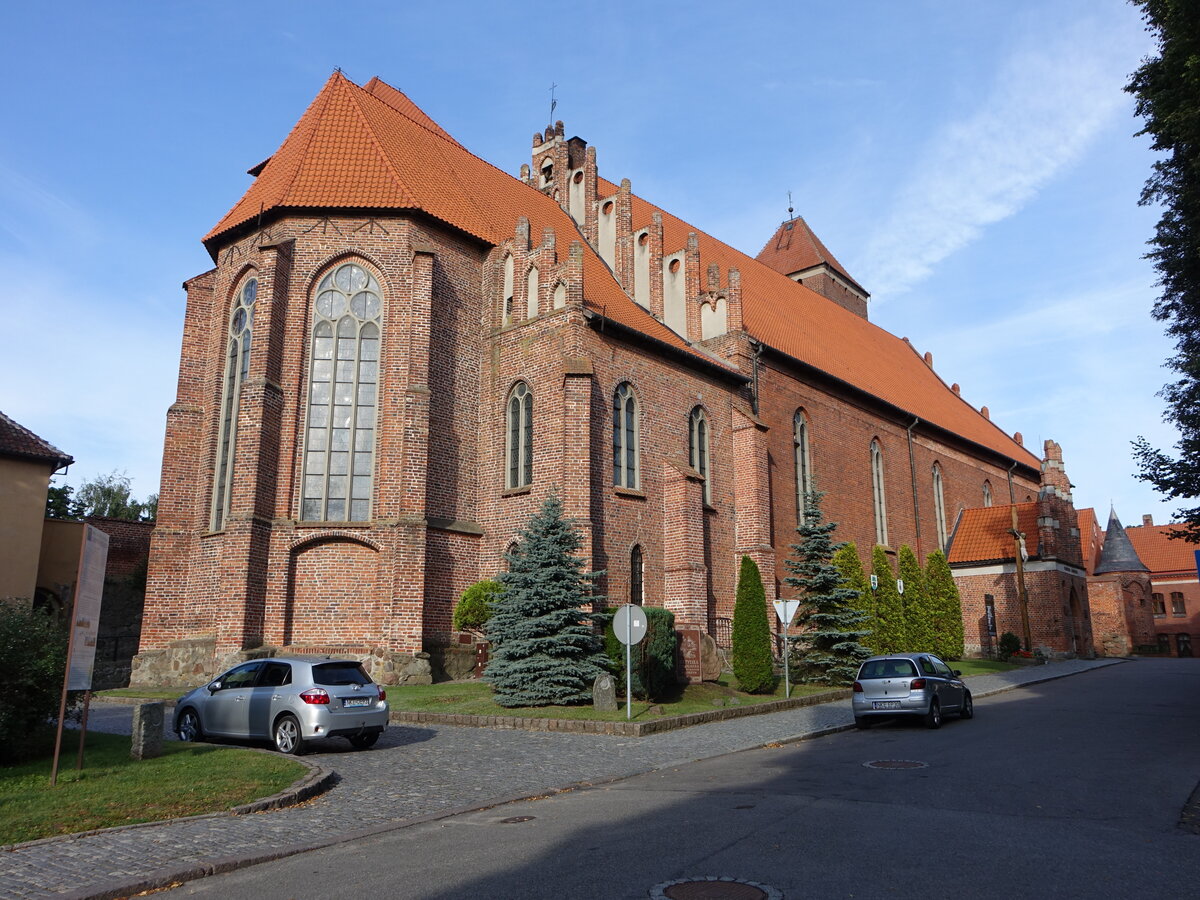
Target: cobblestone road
column 412, row 772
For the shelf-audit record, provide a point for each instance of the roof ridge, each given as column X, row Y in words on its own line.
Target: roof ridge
column 439, row 132
column 353, row 96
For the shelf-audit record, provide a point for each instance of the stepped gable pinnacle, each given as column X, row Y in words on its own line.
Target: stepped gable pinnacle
column 794, row 248
column 796, row 320
column 1118, row 554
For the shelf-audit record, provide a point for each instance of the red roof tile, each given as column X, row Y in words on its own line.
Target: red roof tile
column 983, row 533
column 373, row 148
column 355, row 148
column 18, row 441
column 1160, row 552
column 794, row 247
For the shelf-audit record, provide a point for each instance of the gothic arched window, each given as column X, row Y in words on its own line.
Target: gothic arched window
column 339, row 458
column 626, row 468
column 698, row 449
column 877, row 494
column 637, row 576
column 939, row 506
column 519, row 437
column 237, row 364
column 987, row 493
column 803, row 462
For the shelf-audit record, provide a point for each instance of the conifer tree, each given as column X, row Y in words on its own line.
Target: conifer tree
column 751, row 640
column 830, row 647
column 543, row 649
column 853, row 577
column 947, row 606
column 890, row 632
column 918, row 615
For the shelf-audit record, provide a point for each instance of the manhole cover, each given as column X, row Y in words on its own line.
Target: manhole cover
column 514, row 820
column 713, row 888
column 895, row 764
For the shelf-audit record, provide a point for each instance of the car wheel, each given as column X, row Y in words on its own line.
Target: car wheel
column 933, row 718
column 862, row 722
column 364, row 741
column 968, row 707
column 287, row 735
column 189, row 726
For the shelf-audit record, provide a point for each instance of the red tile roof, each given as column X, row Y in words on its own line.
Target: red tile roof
column 19, row 442
column 983, row 534
column 1160, row 552
column 361, row 149
column 372, row 148
column 794, row 247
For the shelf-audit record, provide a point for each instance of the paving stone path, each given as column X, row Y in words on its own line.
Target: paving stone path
column 412, row 772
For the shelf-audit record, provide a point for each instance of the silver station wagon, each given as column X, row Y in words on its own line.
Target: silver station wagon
column 909, row 684
column 288, row 701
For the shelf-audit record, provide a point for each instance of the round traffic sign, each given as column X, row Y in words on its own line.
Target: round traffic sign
column 629, row 623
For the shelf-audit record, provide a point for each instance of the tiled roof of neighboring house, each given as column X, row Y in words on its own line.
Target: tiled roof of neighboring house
column 794, row 247
column 1160, row 552
column 19, row 442
column 357, row 148
column 1118, row 554
column 984, row 534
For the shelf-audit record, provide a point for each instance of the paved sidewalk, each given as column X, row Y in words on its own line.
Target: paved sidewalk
column 414, row 772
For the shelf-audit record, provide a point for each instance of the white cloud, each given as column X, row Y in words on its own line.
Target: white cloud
column 1051, row 97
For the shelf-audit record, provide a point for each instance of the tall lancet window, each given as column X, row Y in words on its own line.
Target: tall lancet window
column 803, row 463
column 237, row 364
column 987, row 493
column 343, row 391
column 698, row 449
column 626, row 465
column 939, row 506
column 520, row 437
column 877, row 494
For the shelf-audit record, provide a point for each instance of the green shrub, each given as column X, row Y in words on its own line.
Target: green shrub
column 753, row 665
column 1009, row 644
column 474, row 608
column 33, row 656
column 652, row 658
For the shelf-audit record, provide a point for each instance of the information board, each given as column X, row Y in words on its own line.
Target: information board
column 85, row 612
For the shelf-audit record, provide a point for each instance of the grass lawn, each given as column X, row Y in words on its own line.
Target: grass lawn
column 474, row 698
column 980, row 666
column 113, row 789
column 144, row 693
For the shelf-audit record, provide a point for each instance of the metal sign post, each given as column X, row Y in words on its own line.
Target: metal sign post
column 786, row 610
column 629, row 625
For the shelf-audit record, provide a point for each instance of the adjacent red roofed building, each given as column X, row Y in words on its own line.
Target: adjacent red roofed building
column 1175, row 590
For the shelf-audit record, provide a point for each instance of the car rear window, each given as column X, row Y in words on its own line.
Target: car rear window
column 340, row 673
column 887, row 668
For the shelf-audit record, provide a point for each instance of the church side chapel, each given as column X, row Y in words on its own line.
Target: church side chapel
column 400, row 351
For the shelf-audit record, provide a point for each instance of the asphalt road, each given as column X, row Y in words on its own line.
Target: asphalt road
column 1071, row 788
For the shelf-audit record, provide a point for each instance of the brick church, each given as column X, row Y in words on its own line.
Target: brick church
column 401, row 350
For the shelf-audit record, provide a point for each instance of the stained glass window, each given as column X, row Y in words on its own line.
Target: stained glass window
column 519, row 442
column 339, row 451
column 626, row 471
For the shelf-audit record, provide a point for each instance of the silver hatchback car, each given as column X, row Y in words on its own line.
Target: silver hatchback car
column 288, row 701
column 909, row 684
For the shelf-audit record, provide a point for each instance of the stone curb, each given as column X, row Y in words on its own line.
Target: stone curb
column 616, row 729
column 166, row 877
column 316, row 781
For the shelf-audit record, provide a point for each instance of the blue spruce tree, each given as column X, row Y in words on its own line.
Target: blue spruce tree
column 544, row 652
column 831, row 648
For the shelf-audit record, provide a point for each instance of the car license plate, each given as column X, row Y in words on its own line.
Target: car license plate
column 357, row 701
column 886, row 704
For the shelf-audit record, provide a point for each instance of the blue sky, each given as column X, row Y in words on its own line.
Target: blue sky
column 973, row 165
